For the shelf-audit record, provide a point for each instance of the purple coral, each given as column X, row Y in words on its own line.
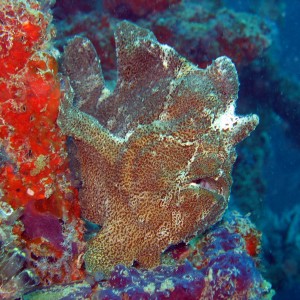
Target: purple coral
column 164, row 282
column 227, row 272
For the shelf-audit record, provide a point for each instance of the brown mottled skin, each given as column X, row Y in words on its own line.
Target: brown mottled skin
column 155, row 154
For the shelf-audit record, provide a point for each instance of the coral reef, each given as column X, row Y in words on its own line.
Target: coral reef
column 63, row 8
column 15, row 276
column 34, row 172
column 203, row 34
column 156, row 153
column 220, row 264
column 78, row 290
column 134, row 9
column 198, row 32
column 217, row 267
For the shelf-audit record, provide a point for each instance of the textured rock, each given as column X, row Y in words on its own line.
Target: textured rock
column 156, row 153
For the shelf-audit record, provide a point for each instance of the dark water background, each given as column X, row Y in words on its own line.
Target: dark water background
column 282, row 170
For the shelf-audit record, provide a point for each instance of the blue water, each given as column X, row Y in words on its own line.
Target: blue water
column 282, row 169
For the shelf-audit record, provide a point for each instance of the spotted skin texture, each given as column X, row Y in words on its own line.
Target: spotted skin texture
column 155, row 154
